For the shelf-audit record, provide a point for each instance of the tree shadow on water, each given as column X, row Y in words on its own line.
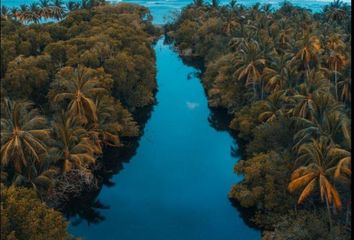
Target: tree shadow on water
column 87, row 207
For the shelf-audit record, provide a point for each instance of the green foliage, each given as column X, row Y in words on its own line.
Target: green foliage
column 26, row 75
column 265, row 183
column 86, row 75
column 25, row 217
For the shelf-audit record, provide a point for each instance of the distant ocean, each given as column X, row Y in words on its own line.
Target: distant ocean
column 161, row 9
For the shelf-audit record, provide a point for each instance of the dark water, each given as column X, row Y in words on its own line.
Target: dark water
column 176, row 185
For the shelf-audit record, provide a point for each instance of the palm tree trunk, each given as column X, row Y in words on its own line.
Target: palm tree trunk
column 335, row 80
column 308, row 71
column 329, row 215
column 254, row 90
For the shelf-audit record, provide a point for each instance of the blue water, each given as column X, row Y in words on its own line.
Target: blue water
column 176, row 185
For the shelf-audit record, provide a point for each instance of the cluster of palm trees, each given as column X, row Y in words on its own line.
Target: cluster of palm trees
column 46, row 9
column 302, row 78
column 86, row 120
column 297, row 66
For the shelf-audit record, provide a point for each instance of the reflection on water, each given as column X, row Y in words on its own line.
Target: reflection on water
column 87, row 207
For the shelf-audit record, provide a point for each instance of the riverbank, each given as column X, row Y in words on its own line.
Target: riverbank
column 256, row 70
column 72, row 86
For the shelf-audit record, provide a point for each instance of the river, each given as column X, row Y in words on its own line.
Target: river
column 176, row 185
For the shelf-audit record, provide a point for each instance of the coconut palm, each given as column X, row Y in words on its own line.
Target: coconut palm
column 23, row 13
column 316, row 172
column 72, row 147
column 57, row 9
column 5, row 12
column 230, row 23
column 343, row 171
column 45, row 9
column 323, row 117
column 273, row 107
column 333, row 125
column 315, row 85
column 335, row 63
column 343, row 167
column 33, row 13
column 335, row 11
column 42, row 180
column 23, row 136
column 113, row 122
column 248, row 64
column 345, row 85
column 14, row 13
column 279, row 75
column 79, row 87
column 308, row 48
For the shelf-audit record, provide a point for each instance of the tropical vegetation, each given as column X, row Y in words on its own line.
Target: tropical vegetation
column 285, row 76
column 70, row 88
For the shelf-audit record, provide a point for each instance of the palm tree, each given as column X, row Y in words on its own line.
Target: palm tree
column 336, row 59
column 335, row 62
column 23, row 136
column 315, row 85
column 345, row 85
column 273, row 107
column 80, row 87
column 308, row 49
column 249, row 63
column 343, row 169
column 5, row 12
column 107, row 129
column 33, row 13
column 279, row 75
column 316, row 171
column 72, row 146
column 324, row 117
column 57, row 9
column 333, row 125
column 230, row 23
column 45, row 9
column 41, row 181
column 14, row 13
column 23, row 13
column 335, row 11
column 113, row 122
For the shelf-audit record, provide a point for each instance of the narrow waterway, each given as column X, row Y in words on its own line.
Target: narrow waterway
column 176, row 185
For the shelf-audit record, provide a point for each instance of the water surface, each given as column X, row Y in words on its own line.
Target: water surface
column 176, row 185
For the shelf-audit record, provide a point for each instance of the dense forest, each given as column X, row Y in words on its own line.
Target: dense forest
column 285, row 77
column 72, row 78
